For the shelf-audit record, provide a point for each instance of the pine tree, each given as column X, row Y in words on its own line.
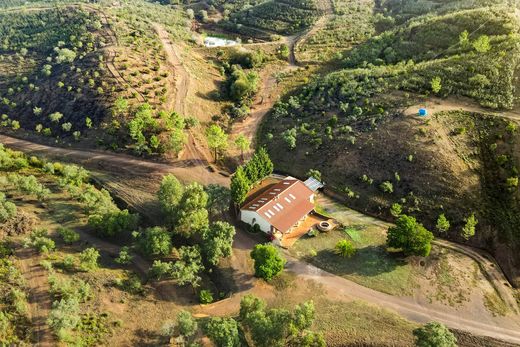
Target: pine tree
column 239, row 186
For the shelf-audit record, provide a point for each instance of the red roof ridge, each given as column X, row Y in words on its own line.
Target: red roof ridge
column 267, row 194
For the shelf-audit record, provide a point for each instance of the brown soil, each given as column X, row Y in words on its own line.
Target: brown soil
column 195, row 153
column 119, row 164
column 38, row 294
column 111, row 53
column 436, row 105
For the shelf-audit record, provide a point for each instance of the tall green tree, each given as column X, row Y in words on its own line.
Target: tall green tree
column 482, row 44
column 223, row 332
column 217, row 139
column 192, row 215
column 264, row 163
column 464, row 39
column 434, row 334
column 278, row 327
column 443, row 224
column 155, row 241
column 436, row 84
column 176, row 141
column 89, row 259
column 7, row 209
column 468, row 231
column 170, row 194
column 268, row 261
column 239, row 186
column 242, row 144
column 219, row 199
column 186, row 323
column 252, row 169
column 186, row 270
column 410, row 236
column 120, row 106
column 217, row 241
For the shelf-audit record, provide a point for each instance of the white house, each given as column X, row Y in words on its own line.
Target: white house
column 281, row 207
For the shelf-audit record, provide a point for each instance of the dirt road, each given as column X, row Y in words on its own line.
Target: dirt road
column 342, row 289
column 119, row 163
column 339, row 288
column 435, row 105
column 267, row 95
column 38, row 294
column 194, row 152
column 490, row 269
column 335, row 285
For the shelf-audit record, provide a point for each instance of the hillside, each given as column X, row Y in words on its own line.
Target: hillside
column 133, row 134
column 349, row 125
column 263, row 19
column 51, row 66
column 80, row 73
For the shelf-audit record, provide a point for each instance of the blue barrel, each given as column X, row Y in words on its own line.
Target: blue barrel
column 423, row 112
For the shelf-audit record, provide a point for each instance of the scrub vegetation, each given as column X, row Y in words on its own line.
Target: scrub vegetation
column 349, row 123
column 140, row 142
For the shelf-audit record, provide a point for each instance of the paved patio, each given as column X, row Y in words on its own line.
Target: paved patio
column 309, row 223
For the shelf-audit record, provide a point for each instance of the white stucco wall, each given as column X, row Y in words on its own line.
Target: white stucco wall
column 248, row 216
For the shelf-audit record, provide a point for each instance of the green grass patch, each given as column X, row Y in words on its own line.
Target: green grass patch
column 372, row 266
column 354, row 234
column 495, row 304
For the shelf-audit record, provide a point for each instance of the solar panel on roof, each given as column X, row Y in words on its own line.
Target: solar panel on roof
column 267, row 214
column 276, row 208
column 287, row 199
column 313, row 184
column 279, row 206
column 292, row 196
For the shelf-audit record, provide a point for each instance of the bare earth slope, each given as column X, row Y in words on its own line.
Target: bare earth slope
column 340, row 288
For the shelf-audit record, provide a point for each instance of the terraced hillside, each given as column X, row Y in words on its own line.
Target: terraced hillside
column 350, row 22
column 349, row 125
column 79, row 72
column 272, row 16
column 52, row 75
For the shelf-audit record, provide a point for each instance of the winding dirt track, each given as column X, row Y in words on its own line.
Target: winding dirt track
column 38, row 294
column 111, row 56
column 343, row 289
column 120, row 163
column 337, row 286
column 265, row 98
column 435, row 105
column 193, row 152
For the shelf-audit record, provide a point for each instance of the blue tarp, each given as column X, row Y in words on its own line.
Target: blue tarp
column 423, row 112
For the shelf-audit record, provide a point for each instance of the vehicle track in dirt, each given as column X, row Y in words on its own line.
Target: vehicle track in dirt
column 436, row 105
column 118, row 163
column 37, row 294
column 266, row 97
column 111, row 54
column 194, row 152
column 338, row 286
column 341, row 287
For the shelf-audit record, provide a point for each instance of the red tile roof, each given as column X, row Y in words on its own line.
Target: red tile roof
column 283, row 204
